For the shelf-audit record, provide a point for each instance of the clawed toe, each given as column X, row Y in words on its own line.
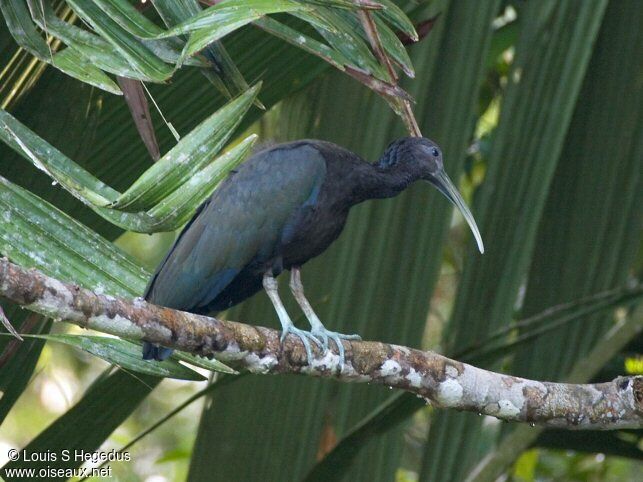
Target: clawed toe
column 337, row 339
column 322, row 337
column 304, row 336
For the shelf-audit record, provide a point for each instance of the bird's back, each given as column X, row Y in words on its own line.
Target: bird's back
column 221, row 254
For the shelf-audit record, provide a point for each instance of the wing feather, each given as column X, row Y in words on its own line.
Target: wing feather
column 242, row 222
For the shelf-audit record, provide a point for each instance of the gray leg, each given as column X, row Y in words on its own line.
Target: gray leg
column 317, row 327
column 271, row 286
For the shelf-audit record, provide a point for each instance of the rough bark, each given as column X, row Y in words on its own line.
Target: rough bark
column 441, row 381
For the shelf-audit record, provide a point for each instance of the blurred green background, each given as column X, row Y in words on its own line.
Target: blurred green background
column 538, row 107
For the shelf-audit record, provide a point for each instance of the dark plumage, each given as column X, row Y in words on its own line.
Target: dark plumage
column 282, row 207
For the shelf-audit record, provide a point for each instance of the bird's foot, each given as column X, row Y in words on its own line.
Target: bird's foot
column 322, row 334
column 304, row 336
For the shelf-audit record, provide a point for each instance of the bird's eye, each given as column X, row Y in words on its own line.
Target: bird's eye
column 435, row 152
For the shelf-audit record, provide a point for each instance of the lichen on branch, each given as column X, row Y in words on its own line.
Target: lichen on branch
column 441, row 381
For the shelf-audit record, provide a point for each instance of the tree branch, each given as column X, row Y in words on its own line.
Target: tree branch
column 441, row 381
column 521, row 438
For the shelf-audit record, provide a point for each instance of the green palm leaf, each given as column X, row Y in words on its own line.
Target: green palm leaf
column 552, row 54
column 578, row 211
column 369, row 277
column 72, row 63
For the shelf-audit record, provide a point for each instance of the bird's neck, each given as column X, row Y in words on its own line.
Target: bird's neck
column 372, row 181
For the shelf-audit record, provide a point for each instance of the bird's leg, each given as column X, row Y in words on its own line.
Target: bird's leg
column 271, row 286
column 317, row 327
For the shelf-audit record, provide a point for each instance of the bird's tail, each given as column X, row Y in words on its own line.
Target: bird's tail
column 155, row 352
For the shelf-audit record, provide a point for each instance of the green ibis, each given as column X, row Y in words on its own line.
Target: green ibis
column 285, row 205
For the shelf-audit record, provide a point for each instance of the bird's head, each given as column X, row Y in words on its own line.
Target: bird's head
column 420, row 158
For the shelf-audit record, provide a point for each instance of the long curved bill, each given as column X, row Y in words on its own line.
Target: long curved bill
column 443, row 184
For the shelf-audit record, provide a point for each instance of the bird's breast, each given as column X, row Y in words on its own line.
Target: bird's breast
column 314, row 232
